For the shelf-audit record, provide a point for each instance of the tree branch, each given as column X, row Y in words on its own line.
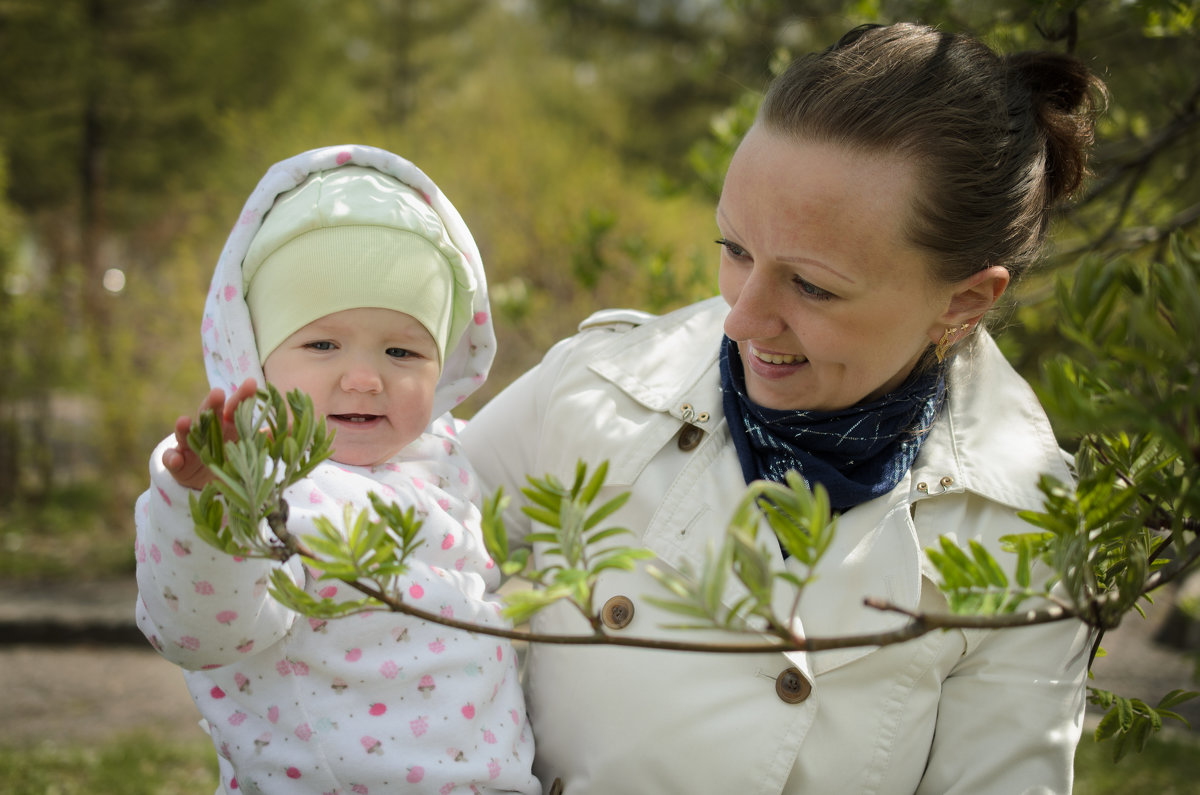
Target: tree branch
column 1181, row 125
column 1172, row 570
column 1024, row 618
column 1144, row 235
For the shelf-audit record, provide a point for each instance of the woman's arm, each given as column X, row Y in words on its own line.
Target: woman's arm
column 1011, row 712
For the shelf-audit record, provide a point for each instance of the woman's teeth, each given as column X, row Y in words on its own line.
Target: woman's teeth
column 777, row 358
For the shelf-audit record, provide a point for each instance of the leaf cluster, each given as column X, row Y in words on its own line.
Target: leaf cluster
column 370, row 554
column 278, row 442
column 575, row 543
column 1127, row 388
column 976, row 584
column 1130, row 387
column 799, row 520
column 1130, row 721
column 269, row 453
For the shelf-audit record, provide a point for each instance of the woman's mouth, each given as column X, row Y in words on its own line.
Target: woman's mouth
column 770, row 365
column 776, row 358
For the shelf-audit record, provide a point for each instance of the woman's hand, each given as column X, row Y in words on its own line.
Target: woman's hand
column 181, row 461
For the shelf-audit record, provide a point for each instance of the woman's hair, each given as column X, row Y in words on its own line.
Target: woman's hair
column 997, row 140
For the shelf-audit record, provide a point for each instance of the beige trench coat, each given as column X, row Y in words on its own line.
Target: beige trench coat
column 968, row 712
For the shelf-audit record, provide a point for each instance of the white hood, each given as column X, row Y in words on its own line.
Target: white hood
column 230, row 354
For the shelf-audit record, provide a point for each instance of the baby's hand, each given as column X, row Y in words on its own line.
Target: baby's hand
column 181, row 461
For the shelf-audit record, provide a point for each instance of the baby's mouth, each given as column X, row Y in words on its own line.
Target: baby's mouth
column 354, row 419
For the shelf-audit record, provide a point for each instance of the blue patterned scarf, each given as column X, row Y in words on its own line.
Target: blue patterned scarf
column 857, row 454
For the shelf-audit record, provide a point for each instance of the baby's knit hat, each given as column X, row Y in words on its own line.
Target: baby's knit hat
column 349, row 238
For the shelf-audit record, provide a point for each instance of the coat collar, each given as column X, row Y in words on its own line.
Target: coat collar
column 992, row 439
column 669, row 362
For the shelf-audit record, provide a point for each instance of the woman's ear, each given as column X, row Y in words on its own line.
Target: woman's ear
column 971, row 298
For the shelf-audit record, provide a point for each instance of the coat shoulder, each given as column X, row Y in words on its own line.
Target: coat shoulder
column 616, row 319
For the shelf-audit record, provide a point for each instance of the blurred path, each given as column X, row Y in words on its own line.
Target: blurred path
column 75, row 669
column 89, row 694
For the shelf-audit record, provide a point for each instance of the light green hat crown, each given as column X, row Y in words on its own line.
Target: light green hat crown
column 349, row 238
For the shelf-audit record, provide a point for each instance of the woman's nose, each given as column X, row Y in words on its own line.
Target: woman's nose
column 754, row 310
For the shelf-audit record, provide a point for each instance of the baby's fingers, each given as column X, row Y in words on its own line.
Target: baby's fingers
column 247, row 390
column 215, row 401
column 227, row 409
column 185, row 466
column 172, row 459
column 183, row 427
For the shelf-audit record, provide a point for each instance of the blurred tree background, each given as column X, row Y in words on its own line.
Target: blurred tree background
column 583, row 142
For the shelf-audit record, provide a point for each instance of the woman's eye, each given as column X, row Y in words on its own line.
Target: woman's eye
column 735, row 251
column 811, row 290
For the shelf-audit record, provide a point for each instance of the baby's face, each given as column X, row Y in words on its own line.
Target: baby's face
column 371, row 373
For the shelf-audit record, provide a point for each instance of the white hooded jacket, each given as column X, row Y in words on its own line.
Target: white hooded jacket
column 377, row 702
column 966, row 712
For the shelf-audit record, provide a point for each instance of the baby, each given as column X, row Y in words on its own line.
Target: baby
column 351, row 277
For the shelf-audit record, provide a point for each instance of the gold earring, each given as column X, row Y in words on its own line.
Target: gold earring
column 943, row 345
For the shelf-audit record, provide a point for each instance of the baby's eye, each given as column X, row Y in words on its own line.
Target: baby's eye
column 735, row 251
column 400, row 353
column 320, row 345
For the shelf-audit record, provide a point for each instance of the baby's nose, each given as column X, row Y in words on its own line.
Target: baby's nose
column 362, row 379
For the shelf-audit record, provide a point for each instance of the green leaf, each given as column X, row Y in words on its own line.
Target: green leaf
column 1024, row 564
column 515, row 564
column 605, row 510
column 1108, row 726
column 495, row 535
column 291, row 450
column 539, row 514
column 671, row 582
column 619, row 564
column 328, row 550
column 1176, row 697
column 550, row 501
column 988, row 565
column 601, row 535
column 592, row 488
column 1124, row 709
column 680, row 607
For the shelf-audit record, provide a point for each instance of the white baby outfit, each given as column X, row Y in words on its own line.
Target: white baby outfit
column 371, row 703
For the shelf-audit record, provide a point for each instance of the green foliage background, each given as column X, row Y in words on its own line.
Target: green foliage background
column 582, row 141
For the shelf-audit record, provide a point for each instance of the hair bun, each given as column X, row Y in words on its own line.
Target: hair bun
column 1065, row 98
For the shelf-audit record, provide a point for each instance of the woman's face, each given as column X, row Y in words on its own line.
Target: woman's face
column 829, row 302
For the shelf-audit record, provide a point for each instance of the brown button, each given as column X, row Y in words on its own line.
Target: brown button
column 792, row 687
column 617, row 612
column 689, row 437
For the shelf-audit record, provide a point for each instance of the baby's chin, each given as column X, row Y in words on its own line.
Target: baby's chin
column 363, row 461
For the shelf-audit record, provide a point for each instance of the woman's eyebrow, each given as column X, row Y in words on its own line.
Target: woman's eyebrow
column 818, row 263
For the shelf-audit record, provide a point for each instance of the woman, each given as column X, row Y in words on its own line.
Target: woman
column 890, row 190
